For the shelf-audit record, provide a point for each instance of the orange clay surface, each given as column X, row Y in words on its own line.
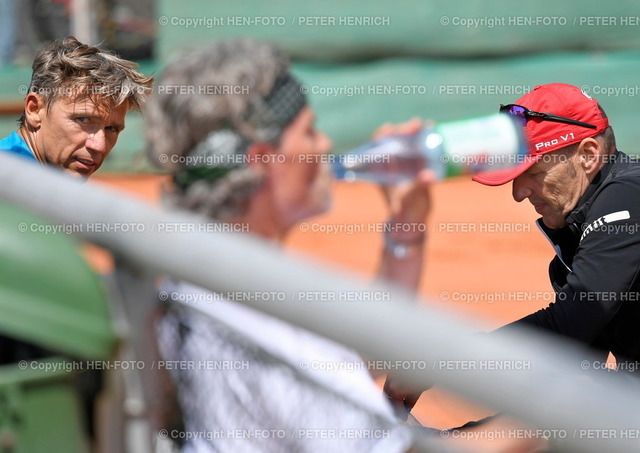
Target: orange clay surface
column 485, row 257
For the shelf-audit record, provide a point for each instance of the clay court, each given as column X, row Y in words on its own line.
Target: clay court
column 486, row 259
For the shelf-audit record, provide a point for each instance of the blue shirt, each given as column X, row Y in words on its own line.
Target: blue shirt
column 16, row 145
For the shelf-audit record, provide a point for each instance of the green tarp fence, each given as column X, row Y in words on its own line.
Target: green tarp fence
column 365, row 63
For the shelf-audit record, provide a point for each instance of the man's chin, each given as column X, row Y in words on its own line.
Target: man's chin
column 324, row 204
column 553, row 223
column 81, row 169
column 80, row 174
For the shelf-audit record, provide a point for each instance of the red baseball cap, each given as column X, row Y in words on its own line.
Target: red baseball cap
column 545, row 136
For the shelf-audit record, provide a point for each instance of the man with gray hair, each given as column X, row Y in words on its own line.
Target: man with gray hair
column 231, row 124
column 76, row 105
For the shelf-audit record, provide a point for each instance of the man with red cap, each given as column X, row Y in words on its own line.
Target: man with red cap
column 588, row 194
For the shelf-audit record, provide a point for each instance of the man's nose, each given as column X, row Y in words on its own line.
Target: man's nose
column 520, row 191
column 325, row 143
column 97, row 141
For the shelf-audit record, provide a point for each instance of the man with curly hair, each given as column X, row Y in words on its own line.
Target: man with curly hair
column 232, row 125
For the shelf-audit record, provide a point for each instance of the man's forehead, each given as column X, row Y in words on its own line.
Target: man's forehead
column 91, row 106
column 306, row 115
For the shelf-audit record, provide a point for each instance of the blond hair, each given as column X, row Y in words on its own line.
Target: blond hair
column 69, row 68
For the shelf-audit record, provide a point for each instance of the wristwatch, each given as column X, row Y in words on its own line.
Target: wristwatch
column 404, row 249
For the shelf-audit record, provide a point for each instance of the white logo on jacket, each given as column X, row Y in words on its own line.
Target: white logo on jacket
column 601, row 222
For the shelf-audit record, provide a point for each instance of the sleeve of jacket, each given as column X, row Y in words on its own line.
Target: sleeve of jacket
column 604, row 268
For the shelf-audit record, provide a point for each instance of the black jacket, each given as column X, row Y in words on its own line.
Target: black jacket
column 595, row 273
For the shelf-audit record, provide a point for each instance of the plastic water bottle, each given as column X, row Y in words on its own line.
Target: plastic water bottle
column 451, row 148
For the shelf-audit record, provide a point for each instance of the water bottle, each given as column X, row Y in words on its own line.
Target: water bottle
column 451, row 148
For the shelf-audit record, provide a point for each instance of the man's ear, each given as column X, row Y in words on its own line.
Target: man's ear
column 591, row 153
column 34, row 109
column 260, row 154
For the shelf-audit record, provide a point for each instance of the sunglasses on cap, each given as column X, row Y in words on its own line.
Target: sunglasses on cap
column 525, row 114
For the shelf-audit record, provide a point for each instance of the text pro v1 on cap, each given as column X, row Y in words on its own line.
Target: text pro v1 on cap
column 555, row 115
